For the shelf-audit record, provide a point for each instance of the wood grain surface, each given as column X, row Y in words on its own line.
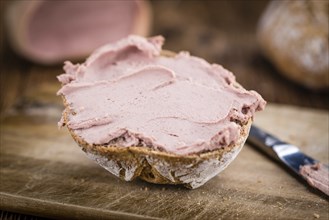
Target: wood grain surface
column 44, row 173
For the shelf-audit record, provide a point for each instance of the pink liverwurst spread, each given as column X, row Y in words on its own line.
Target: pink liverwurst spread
column 316, row 175
column 128, row 94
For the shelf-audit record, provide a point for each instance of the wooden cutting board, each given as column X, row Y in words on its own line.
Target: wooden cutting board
column 44, row 173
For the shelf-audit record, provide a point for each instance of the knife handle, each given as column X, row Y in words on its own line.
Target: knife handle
column 265, row 142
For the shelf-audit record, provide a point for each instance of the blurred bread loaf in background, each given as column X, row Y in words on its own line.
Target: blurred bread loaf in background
column 49, row 32
column 294, row 36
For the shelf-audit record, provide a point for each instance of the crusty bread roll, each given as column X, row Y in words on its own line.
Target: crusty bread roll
column 159, row 167
column 142, row 155
column 154, row 166
column 294, row 36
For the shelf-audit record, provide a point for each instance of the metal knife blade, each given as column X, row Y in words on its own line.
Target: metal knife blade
column 288, row 154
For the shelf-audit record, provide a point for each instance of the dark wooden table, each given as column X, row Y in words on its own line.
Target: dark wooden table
column 220, row 31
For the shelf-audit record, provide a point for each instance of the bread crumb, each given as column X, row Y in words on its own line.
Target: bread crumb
column 316, row 215
column 144, row 188
column 163, row 189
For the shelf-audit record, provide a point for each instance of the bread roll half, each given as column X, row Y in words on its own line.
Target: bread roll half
column 163, row 117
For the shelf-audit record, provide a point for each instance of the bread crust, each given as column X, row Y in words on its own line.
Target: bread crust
column 154, row 166
column 161, row 167
column 292, row 35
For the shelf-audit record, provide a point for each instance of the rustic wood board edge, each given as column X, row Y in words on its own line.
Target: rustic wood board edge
column 42, row 208
column 54, row 208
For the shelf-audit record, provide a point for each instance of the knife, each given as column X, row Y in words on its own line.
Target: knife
column 313, row 171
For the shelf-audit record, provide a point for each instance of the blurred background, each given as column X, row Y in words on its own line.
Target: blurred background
column 37, row 36
column 221, row 32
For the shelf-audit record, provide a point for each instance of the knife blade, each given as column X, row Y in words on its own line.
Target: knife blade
column 313, row 171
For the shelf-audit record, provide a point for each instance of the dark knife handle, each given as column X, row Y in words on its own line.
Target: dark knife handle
column 264, row 141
